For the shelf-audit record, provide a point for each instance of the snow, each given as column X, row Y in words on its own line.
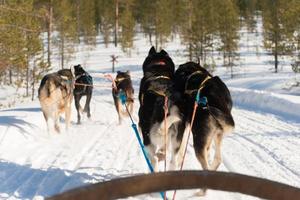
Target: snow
column 265, row 143
column 284, row 105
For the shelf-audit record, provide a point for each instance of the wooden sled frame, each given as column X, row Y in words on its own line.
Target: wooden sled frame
column 148, row 183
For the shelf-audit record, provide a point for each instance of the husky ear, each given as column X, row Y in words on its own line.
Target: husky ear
column 152, row 51
column 72, row 68
column 163, row 52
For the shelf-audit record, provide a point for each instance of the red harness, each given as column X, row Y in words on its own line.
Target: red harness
column 160, row 62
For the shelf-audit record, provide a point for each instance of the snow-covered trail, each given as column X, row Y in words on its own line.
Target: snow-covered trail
column 34, row 163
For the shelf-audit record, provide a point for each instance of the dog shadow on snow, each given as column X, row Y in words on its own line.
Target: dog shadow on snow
column 17, row 122
column 25, row 182
column 35, row 109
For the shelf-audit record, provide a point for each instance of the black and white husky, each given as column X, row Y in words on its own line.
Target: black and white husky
column 213, row 117
column 155, row 88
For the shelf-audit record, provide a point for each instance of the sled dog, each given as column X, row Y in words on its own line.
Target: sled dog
column 55, row 95
column 83, row 87
column 156, row 94
column 123, row 86
column 213, row 117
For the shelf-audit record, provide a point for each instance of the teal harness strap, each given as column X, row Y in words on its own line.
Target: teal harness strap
column 123, row 98
column 202, row 101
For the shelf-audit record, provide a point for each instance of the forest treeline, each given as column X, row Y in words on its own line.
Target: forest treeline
column 31, row 29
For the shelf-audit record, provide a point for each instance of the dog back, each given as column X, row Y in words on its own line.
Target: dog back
column 190, row 76
column 83, row 81
column 123, row 83
column 156, row 89
column 56, row 86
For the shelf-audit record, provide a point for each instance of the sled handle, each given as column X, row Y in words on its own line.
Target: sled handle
column 148, row 183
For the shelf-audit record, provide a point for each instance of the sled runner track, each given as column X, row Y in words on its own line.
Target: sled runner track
column 272, row 123
column 23, row 176
column 91, row 145
column 272, row 155
column 24, row 179
column 115, row 156
column 253, row 134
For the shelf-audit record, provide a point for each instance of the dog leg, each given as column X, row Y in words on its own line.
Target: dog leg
column 130, row 107
column 87, row 105
column 217, row 158
column 77, row 105
column 202, row 151
column 173, row 131
column 153, row 158
column 203, row 159
column 68, row 116
column 56, row 122
column 181, row 138
column 47, row 123
column 119, row 111
column 174, row 159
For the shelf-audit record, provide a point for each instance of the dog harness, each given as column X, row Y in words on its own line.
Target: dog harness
column 120, row 94
column 119, row 80
column 200, row 100
column 201, row 86
column 88, row 77
column 159, row 62
column 67, row 82
column 155, row 90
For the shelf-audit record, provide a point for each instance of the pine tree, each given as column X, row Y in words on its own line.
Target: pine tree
column 163, row 21
column 105, row 22
column 247, row 11
column 291, row 26
column 46, row 9
column 127, row 24
column 156, row 19
column 275, row 36
column 20, row 41
column 228, row 24
column 198, row 29
column 85, row 15
column 145, row 16
column 65, row 24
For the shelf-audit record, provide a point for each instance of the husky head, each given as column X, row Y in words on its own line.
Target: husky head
column 123, row 75
column 158, row 62
column 77, row 70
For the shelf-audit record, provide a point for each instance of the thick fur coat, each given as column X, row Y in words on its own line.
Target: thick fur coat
column 55, row 95
column 83, row 87
column 157, row 97
column 123, row 86
column 213, row 117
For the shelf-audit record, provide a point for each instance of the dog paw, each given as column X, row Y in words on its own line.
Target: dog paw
column 160, row 155
column 201, row 193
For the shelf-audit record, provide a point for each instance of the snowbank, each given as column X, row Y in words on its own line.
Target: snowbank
column 265, row 101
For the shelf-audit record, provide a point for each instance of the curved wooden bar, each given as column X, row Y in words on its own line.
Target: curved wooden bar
column 148, row 183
